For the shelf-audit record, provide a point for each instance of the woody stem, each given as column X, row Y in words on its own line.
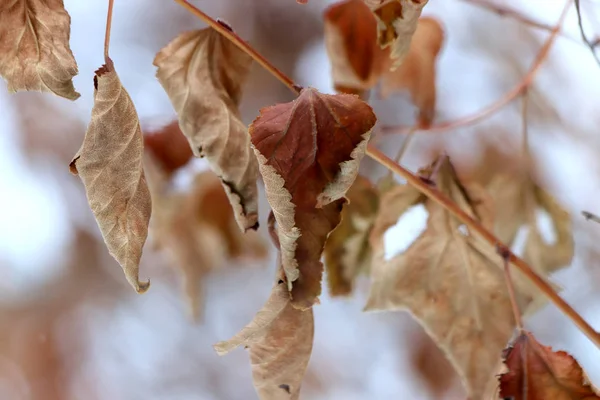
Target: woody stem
column 429, row 190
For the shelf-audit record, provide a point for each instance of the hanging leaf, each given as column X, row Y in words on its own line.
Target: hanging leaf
column 197, row 229
column 538, row 373
column 34, row 50
column 396, row 24
column 169, row 147
column 280, row 339
column 109, row 164
column 347, row 250
column 202, row 72
column 351, row 42
column 450, row 286
column 417, row 72
column 309, row 151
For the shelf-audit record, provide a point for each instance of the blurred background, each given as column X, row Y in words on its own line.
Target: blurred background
column 71, row 327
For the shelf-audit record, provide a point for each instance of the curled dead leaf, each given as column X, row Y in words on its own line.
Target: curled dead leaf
column 309, row 152
column 202, row 73
column 280, row 340
column 34, row 50
column 351, row 42
column 535, row 372
column 109, row 164
column 417, row 72
column 347, row 249
column 456, row 292
column 396, row 24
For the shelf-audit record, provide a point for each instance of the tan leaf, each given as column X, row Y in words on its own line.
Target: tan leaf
column 280, row 339
column 347, row 249
column 538, row 373
column 109, row 164
column 309, row 151
column 456, row 292
column 351, row 42
column 202, row 72
column 417, row 72
column 197, row 229
column 516, row 201
column 34, row 50
column 396, row 24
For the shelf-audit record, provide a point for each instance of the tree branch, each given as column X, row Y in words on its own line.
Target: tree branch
column 429, row 190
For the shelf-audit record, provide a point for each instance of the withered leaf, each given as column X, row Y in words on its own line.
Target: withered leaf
column 517, row 199
column 351, row 42
column 197, row 229
column 202, row 73
column 309, row 151
column 396, row 24
column 456, row 292
column 347, row 249
column 34, row 47
column 280, row 339
column 417, row 72
column 169, row 147
column 110, row 165
column 538, row 373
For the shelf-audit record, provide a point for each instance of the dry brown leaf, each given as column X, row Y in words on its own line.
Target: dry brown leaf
column 351, row 42
column 34, row 50
column 456, row 292
column 280, row 339
column 169, row 147
column 516, row 200
column 197, row 229
column 417, row 72
column 309, row 151
column 396, row 24
column 538, row 373
column 347, row 249
column 202, row 72
column 109, row 164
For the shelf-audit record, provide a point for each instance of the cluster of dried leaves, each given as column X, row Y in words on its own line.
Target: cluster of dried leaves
column 308, row 153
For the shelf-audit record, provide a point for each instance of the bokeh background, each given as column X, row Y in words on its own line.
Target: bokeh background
column 70, row 326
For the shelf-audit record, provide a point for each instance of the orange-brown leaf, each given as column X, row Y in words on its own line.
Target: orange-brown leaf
column 109, row 164
column 202, row 73
column 538, row 373
column 417, row 72
column 280, row 339
column 397, row 22
column 309, row 151
column 169, row 147
column 351, row 41
column 34, row 47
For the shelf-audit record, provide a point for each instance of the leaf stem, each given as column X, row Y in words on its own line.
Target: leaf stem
column 430, row 190
column 504, row 100
column 108, row 29
column 475, row 226
column 511, row 289
column 226, row 31
column 588, row 42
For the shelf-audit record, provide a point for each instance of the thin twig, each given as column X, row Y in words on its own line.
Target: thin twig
column 504, row 100
column 429, row 190
column 588, row 42
column 590, row 216
column 502, row 251
column 108, row 29
column 505, row 11
column 226, row 31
